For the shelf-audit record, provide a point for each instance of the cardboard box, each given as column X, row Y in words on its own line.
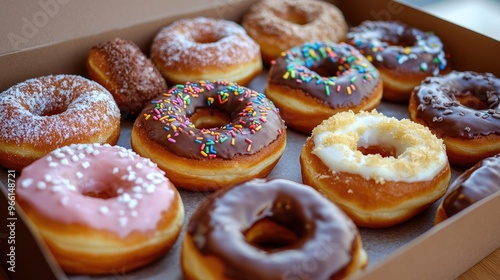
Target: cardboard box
column 54, row 36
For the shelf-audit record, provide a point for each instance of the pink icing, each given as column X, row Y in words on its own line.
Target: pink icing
column 55, row 186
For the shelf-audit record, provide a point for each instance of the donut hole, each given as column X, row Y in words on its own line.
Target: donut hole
column 204, row 118
column 52, row 112
column 105, row 193
column 327, row 68
column 382, row 150
column 473, row 101
column 206, row 38
column 269, row 235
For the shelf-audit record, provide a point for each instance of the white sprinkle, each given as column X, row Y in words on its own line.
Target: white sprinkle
column 95, row 152
column 136, row 189
column 48, row 158
column 47, row 178
column 105, row 145
column 81, row 156
column 158, row 181
column 150, row 188
column 80, row 147
column 123, row 221
column 138, row 195
column 123, row 155
column 53, row 164
column 131, row 177
column 134, row 213
column 171, row 192
column 139, row 165
column 129, row 168
column 120, row 190
column 132, row 203
column 125, row 197
column 150, row 176
column 56, row 188
column 85, row 164
column 41, row 185
column 64, row 200
column 79, row 175
column 60, row 155
column 349, row 191
column 103, row 209
column 74, row 158
column 89, row 149
column 64, row 161
column 139, row 181
column 71, row 187
column 115, row 170
column 26, row 182
column 151, row 164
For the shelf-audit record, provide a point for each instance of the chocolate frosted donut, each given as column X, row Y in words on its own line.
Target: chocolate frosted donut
column 220, row 132
column 270, row 230
column 478, row 182
column 463, row 108
column 404, row 55
column 309, row 83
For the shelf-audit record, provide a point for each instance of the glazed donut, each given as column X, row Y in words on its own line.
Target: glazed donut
column 208, row 135
column 206, row 49
column 381, row 171
column 404, row 55
column 309, row 83
column 44, row 113
column 280, row 25
column 462, row 108
column 122, row 68
column 275, row 229
column 100, row 209
column 476, row 183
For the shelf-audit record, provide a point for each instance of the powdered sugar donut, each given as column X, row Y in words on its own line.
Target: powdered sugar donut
column 44, row 113
column 100, row 209
column 206, row 49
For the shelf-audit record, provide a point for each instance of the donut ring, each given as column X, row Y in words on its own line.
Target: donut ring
column 122, row 68
column 100, row 209
column 476, row 183
column 280, row 25
column 206, row 49
column 264, row 229
column 309, row 83
column 41, row 114
column 462, row 108
column 208, row 135
column 404, row 55
column 379, row 170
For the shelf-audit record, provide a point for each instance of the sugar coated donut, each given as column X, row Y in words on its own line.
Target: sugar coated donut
column 100, row 209
column 206, row 49
column 44, row 113
column 280, row 25
column 475, row 184
column 381, row 171
column 275, row 229
column 208, row 135
column 404, row 55
column 462, row 108
column 311, row 82
column 122, row 68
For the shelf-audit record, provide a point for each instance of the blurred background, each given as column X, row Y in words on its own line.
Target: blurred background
column 482, row 16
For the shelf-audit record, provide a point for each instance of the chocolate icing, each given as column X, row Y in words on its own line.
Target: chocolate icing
column 438, row 107
column 334, row 74
column 254, row 121
column 395, row 46
column 326, row 236
column 478, row 182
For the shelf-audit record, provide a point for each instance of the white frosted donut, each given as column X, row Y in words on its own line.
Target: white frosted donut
column 380, row 170
column 100, row 209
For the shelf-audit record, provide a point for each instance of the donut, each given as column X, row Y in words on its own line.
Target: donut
column 121, row 67
column 208, row 135
column 311, row 82
column 381, row 171
column 475, row 184
column 280, row 25
column 462, row 108
column 404, row 55
column 42, row 114
column 276, row 229
column 206, row 49
column 100, row 209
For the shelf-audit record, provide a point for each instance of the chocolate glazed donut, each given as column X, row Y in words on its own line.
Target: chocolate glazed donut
column 462, row 108
column 477, row 183
column 275, row 229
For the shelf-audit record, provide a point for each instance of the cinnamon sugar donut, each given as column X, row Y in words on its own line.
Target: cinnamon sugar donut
column 122, row 68
column 100, row 209
column 381, row 171
column 206, row 49
column 42, row 114
column 462, row 108
column 280, row 25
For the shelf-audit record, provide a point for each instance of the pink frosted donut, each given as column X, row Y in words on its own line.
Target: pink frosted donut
column 100, row 208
